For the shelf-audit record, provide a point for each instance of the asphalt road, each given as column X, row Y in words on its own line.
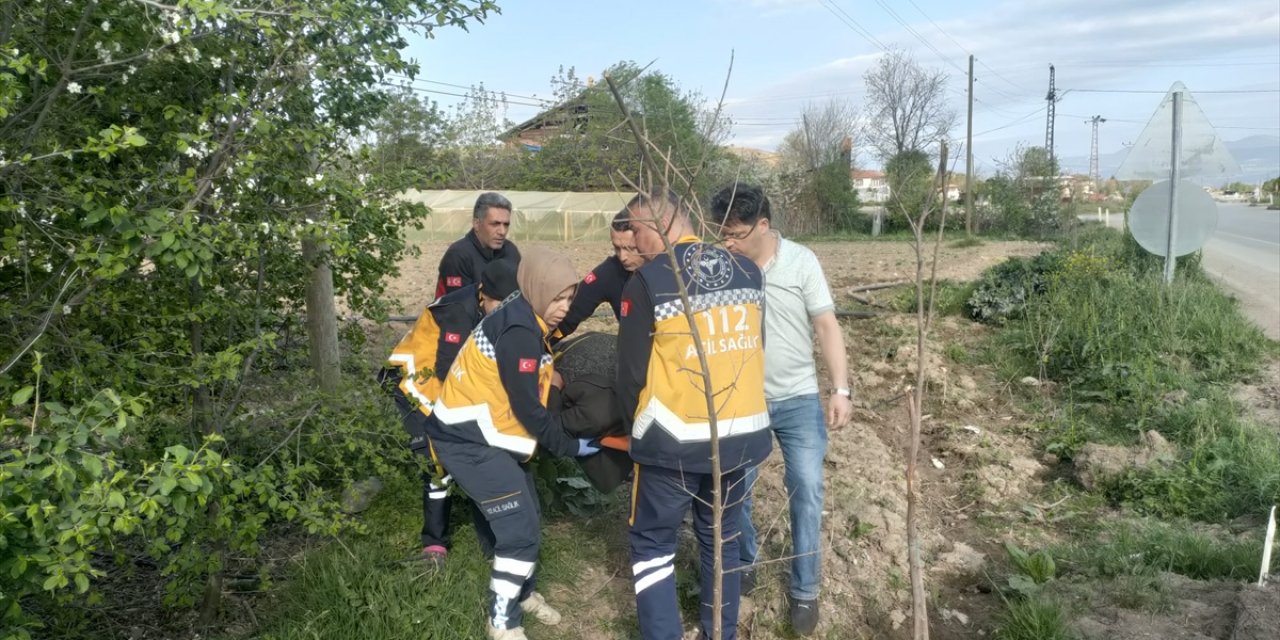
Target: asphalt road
column 1244, row 256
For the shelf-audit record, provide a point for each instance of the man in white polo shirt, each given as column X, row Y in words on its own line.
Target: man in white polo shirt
column 798, row 305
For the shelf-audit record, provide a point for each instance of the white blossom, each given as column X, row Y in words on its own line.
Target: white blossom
column 310, row 221
column 266, row 228
column 73, row 87
column 103, row 52
column 66, row 309
column 106, row 25
column 172, row 37
column 216, row 62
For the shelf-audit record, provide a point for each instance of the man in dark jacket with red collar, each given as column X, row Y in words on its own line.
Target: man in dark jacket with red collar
column 465, row 259
column 605, row 282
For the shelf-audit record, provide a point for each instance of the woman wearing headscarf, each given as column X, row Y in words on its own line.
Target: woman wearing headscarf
column 492, row 417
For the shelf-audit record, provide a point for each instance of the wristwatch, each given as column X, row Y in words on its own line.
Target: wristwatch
column 844, row 391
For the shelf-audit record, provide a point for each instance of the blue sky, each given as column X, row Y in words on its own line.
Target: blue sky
column 789, row 52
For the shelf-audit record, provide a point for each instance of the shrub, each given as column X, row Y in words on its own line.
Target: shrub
column 1001, row 294
column 86, row 488
column 1136, row 354
column 1235, row 472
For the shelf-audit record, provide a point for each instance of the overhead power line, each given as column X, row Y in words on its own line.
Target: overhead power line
column 965, row 49
column 916, row 34
column 458, row 95
column 853, row 24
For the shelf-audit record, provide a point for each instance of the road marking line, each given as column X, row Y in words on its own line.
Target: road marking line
column 1236, row 235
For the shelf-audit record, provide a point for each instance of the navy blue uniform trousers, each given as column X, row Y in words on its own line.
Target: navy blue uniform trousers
column 504, row 492
column 660, row 498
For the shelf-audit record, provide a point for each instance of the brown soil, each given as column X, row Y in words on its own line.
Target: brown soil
column 1188, row 610
column 846, row 264
column 1262, row 397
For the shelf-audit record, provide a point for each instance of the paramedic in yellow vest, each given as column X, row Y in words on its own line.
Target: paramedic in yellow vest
column 663, row 398
column 414, row 373
column 491, row 419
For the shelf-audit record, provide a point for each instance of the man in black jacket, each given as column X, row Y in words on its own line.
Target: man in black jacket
column 487, row 241
column 604, row 283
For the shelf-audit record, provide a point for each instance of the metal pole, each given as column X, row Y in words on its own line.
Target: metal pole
column 968, row 162
column 1175, row 159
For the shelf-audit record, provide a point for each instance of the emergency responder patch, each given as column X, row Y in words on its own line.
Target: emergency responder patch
column 591, row 277
column 453, row 281
column 625, row 307
column 453, row 338
column 710, row 267
column 528, row 365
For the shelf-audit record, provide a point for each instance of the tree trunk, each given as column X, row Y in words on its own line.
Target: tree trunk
column 322, row 316
column 203, row 425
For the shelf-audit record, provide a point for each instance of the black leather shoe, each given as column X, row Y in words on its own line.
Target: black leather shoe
column 804, row 616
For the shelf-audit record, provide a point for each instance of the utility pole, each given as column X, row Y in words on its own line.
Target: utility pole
column 1052, row 97
column 968, row 162
column 1093, row 150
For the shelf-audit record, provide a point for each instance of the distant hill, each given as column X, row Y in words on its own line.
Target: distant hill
column 1259, row 158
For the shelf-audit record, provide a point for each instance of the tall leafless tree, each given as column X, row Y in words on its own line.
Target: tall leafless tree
column 907, row 107
column 823, row 130
column 816, row 159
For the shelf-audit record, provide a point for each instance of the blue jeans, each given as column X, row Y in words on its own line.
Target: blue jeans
column 801, row 429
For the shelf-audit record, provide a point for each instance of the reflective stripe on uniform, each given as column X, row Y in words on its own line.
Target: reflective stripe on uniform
column 656, row 413
column 654, row 578
column 504, row 588
column 513, row 566
column 480, row 415
column 410, row 382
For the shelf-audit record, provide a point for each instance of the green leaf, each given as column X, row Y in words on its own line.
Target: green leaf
column 93, row 465
column 21, row 396
column 166, row 239
column 115, row 500
column 179, row 453
column 82, row 583
column 167, row 485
